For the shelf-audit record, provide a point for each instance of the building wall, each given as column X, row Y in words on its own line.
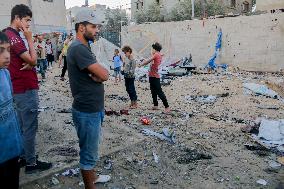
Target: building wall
column 249, row 42
column 267, row 5
column 47, row 16
column 239, row 6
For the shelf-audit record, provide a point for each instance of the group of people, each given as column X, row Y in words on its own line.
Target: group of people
column 18, row 99
column 127, row 65
column 19, row 94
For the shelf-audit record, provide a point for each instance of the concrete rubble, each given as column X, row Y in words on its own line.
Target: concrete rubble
column 209, row 132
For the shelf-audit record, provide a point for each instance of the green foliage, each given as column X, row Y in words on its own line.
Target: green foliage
column 214, row 7
column 114, row 18
column 152, row 14
column 182, row 11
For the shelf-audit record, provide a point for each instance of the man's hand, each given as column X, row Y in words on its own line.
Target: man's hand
column 27, row 33
column 26, row 67
column 96, row 79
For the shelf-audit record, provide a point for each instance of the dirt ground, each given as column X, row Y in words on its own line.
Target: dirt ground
column 209, row 151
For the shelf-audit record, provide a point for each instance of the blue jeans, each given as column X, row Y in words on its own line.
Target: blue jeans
column 42, row 66
column 117, row 71
column 10, row 135
column 130, row 88
column 88, row 127
column 27, row 109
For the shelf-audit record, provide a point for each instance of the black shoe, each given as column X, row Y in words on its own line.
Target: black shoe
column 39, row 166
column 23, row 162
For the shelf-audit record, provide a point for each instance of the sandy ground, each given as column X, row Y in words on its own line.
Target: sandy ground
column 131, row 153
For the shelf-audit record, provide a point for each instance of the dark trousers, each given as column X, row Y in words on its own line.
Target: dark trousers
column 130, row 88
column 157, row 91
column 64, row 66
column 9, row 174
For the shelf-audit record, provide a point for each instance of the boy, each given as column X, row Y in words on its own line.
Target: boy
column 10, row 136
column 154, row 77
column 25, row 83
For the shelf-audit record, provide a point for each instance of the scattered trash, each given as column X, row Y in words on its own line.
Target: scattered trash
column 145, row 120
column 111, row 112
column 64, row 151
column 177, row 71
column 274, row 164
column 192, row 155
column 261, row 182
column 55, row 181
column 108, row 164
column 259, row 150
column 116, row 97
column 206, row 98
column 71, row 172
column 170, row 137
column 64, row 111
column 67, row 122
column 259, row 90
column 268, row 107
column 156, row 181
column 272, row 131
column 156, row 158
column 42, row 109
column 267, row 133
column 81, row 183
column 254, row 129
column 124, row 112
column 280, row 160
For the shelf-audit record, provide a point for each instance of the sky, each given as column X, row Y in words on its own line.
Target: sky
column 110, row 3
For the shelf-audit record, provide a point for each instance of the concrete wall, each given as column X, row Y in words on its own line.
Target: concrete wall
column 249, row 42
column 267, row 5
column 47, row 16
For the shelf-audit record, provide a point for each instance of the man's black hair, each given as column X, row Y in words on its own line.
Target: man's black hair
column 77, row 25
column 21, row 11
column 3, row 38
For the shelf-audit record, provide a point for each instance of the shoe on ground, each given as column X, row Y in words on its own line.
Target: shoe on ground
column 39, row 166
column 22, row 161
column 102, row 179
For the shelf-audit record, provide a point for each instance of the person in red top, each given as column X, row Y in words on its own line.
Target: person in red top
column 154, row 77
column 25, row 83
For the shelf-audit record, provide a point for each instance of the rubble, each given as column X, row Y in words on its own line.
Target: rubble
column 165, row 135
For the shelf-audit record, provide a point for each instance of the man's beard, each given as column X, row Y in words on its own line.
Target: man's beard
column 88, row 36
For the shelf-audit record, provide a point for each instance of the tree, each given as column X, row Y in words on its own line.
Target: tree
column 183, row 11
column 151, row 14
column 214, row 7
column 115, row 18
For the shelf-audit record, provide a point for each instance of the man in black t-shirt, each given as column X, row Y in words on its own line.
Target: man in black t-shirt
column 86, row 77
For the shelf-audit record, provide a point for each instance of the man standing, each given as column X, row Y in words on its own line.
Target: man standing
column 41, row 55
column 25, row 83
column 86, row 78
column 49, row 53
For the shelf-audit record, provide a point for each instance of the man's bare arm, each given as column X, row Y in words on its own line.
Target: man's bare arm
column 98, row 72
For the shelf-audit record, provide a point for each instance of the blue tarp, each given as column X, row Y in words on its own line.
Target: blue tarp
column 211, row 63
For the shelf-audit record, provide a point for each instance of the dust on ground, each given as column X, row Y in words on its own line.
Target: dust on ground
column 209, row 151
